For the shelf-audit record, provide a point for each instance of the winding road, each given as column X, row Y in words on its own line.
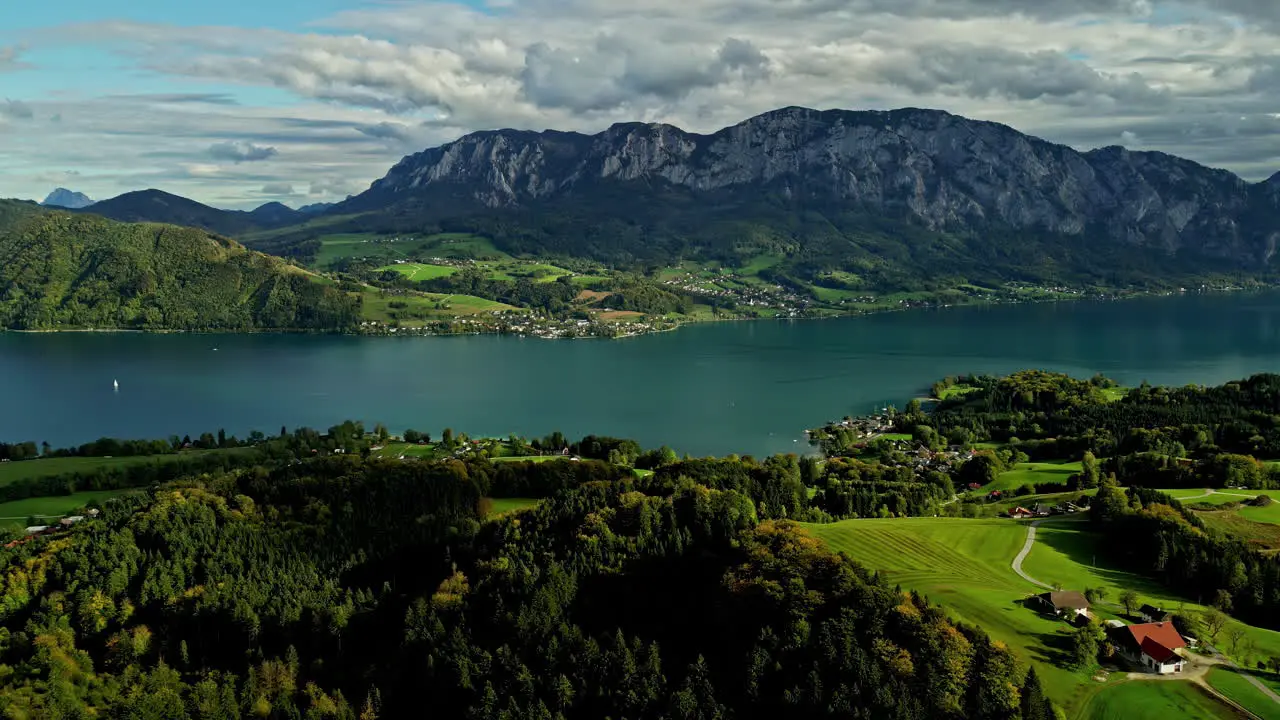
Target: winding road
column 1026, row 550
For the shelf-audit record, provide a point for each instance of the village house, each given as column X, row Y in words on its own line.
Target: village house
column 1019, row 513
column 1154, row 646
column 1151, row 613
column 1067, row 604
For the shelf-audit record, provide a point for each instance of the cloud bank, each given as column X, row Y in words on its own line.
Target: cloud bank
column 352, row 92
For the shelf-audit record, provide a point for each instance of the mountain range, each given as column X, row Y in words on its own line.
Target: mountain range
column 900, row 200
column 158, row 206
column 794, row 171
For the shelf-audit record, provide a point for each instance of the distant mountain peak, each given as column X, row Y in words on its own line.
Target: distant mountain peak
column 64, row 198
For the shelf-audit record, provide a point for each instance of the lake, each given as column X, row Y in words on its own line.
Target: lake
column 744, row 387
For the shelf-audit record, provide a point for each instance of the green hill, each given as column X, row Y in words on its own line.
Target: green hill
column 61, row 270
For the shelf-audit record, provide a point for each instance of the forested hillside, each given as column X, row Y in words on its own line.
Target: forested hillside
column 344, row 588
column 60, row 270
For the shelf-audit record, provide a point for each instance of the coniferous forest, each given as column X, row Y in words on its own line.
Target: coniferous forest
column 350, row 587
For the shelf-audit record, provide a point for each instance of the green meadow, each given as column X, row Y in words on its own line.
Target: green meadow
column 964, row 566
column 417, row 309
column 501, row 506
column 1039, row 473
column 1068, row 553
column 1155, row 700
column 1233, row 684
column 417, row 271
column 45, row 467
column 15, row 513
column 373, row 246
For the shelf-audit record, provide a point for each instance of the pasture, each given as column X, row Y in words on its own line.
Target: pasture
column 964, row 566
column 1233, row 684
column 502, row 506
column 394, row 450
column 15, row 512
column 45, row 467
column 1070, row 554
column 375, row 246
column 1155, row 700
column 417, row 309
column 1038, row 473
column 416, row 271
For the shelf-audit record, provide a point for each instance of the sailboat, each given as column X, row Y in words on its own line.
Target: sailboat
column 115, row 384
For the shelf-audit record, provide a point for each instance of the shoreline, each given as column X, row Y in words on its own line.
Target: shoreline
column 676, row 324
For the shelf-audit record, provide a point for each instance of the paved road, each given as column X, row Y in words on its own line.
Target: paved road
column 1022, row 555
column 1211, row 491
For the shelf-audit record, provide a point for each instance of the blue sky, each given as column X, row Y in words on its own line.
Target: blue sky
column 235, row 102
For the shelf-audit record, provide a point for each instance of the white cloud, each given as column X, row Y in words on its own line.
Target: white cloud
column 390, row 79
column 240, row 151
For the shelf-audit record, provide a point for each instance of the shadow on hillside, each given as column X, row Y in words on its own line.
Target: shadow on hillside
column 1053, row 648
column 1083, row 546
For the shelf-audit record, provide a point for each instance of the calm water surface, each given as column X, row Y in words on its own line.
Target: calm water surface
column 747, row 387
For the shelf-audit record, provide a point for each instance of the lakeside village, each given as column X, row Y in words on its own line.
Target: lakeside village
column 523, row 323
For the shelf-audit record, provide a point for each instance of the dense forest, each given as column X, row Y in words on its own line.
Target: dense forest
column 346, row 587
column 60, row 270
column 1153, row 436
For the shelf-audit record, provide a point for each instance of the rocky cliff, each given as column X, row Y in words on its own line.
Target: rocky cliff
column 935, row 170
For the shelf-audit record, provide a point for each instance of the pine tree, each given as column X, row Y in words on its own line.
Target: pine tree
column 1035, row 706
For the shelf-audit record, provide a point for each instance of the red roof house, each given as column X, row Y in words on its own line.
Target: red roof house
column 1152, row 645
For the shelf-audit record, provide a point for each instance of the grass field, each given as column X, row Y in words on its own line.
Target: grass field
column 1055, row 473
column 45, row 467
column 396, row 449
column 956, row 391
column 1155, row 700
column 1066, row 552
column 1262, row 535
column 501, row 506
column 15, row 513
column 1232, row 684
column 362, row 245
column 963, row 565
column 421, row 308
column 418, row 271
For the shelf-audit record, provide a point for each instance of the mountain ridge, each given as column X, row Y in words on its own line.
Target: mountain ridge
column 60, row 270
column 153, row 205
column 941, row 171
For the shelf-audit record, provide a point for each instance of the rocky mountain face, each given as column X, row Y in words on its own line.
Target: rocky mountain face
column 932, row 169
column 64, row 198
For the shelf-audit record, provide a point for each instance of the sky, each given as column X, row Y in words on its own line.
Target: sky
column 239, row 102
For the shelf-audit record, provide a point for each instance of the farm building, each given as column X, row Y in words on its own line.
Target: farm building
column 1151, row 613
column 1020, row 512
column 1065, row 603
column 1153, row 645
